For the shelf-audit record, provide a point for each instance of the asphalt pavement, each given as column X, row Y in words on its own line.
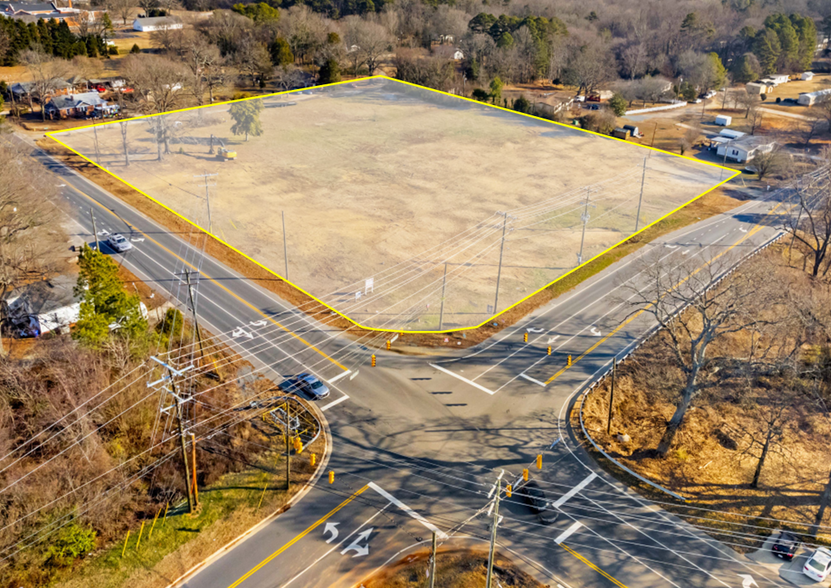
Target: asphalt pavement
column 419, row 442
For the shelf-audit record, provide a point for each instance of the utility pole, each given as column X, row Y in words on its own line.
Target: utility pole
column 612, row 396
column 95, row 138
column 285, row 247
column 178, row 401
column 433, row 564
column 585, row 218
column 499, row 272
column 493, row 532
column 193, row 311
column 193, row 454
column 208, row 196
column 171, row 372
column 94, row 229
column 640, row 198
column 441, row 308
column 288, row 445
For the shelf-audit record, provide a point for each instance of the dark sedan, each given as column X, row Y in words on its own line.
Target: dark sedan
column 534, row 497
column 785, row 545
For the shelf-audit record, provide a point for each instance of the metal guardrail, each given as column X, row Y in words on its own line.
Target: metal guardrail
column 635, row 345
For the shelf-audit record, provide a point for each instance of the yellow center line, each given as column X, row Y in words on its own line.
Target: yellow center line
column 594, row 567
column 209, row 278
column 758, row 227
column 311, row 528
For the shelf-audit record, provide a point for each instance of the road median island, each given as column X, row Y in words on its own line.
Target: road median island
column 752, row 454
column 720, row 200
column 454, row 569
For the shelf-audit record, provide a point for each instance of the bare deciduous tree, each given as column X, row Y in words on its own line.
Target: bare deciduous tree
column 809, row 222
column 365, row 42
column 46, row 73
column 712, row 310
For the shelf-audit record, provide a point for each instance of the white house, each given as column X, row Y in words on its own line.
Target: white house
column 811, row 98
column 157, row 23
column 448, row 52
column 42, row 307
column 743, row 149
column 807, row 76
column 779, row 79
column 724, row 120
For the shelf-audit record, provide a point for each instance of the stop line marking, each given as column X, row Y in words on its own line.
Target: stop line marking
column 568, row 532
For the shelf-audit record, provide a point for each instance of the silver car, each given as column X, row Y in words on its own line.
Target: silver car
column 311, row 386
column 119, row 243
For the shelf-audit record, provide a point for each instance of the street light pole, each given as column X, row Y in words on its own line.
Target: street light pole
column 640, row 199
column 499, row 271
column 585, row 218
column 441, row 309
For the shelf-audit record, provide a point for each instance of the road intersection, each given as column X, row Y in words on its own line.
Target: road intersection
column 419, row 441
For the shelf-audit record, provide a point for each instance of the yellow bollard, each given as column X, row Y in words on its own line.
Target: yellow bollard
column 314, row 460
column 141, row 532
column 539, row 462
column 549, row 350
column 569, row 361
column 525, row 474
column 331, row 477
column 127, row 538
column 508, row 491
column 373, row 360
column 525, row 337
column 153, row 526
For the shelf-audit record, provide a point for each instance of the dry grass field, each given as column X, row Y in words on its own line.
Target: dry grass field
column 381, row 180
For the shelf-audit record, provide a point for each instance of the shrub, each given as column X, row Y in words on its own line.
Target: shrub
column 113, row 50
column 135, row 48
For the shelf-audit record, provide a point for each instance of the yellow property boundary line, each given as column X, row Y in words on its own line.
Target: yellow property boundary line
column 52, row 134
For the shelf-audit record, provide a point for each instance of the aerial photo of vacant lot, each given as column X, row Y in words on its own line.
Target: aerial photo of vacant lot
column 420, row 192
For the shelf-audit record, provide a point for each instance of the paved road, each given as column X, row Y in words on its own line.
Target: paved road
column 420, row 441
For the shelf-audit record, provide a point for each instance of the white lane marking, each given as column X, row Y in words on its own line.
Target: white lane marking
column 360, row 550
column 335, row 403
column 568, row 532
column 570, row 494
column 315, row 562
column 471, row 382
column 530, row 379
column 408, row 510
column 668, row 246
column 685, row 252
column 339, row 376
column 240, row 332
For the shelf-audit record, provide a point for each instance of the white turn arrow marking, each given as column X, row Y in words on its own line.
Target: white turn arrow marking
column 331, row 528
column 137, row 239
column 595, row 332
column 533, row 330
column 360, row 550
column 668, row 246
column 747, row 580
column 742, row 229
column 102, row 233
column 552, row 339
column 685, row 252
column 258, row 324
column 240, row 332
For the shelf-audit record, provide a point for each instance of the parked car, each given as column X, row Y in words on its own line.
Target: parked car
column 119, row 243
column 818, row 565
column 311, row 386
column 785, row 545
column 534, row 497
column 593, row 98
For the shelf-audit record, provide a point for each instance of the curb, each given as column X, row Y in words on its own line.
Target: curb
column 632, row 347
column 327, row 452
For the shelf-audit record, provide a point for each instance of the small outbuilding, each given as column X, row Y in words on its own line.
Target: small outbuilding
column 621, row 133
column 723, row 120
column 807, row 76
column 811, row 98
column 157, row 23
